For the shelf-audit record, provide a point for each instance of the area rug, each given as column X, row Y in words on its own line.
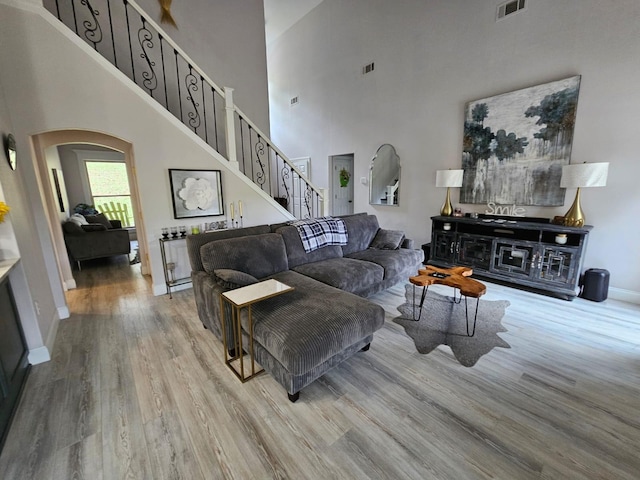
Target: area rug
column 444, row 323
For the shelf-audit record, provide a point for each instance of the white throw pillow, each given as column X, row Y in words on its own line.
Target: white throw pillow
column 78, row 219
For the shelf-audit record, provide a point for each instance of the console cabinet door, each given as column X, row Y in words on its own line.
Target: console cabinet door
column 559, row 265
column 514, row 259
column 443, row 246
column 475, row 251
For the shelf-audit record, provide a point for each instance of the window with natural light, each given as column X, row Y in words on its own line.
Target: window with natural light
column 109, row 185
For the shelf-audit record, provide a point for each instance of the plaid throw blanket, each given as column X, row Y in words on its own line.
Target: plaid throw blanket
column 316, row 233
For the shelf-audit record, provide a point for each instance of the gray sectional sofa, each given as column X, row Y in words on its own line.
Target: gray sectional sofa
column 300, row 335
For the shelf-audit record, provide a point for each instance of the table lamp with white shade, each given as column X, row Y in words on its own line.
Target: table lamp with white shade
column 448, row 178
column 580, row 175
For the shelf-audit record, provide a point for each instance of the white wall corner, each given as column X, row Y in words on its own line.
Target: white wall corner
column 69, row 284
column 39, row 355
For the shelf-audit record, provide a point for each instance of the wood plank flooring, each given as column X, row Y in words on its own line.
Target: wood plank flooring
column 137, row 389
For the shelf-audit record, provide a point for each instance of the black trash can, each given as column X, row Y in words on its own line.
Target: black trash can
column 595, row 284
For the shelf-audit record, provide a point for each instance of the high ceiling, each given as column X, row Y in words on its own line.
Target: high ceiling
column 280, row 15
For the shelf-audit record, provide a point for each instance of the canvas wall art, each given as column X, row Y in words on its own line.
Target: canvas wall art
column 515, row 145
column 196, row 193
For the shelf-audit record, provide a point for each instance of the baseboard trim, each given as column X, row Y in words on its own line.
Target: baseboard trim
column 39, row 355
column 624, row 295
column 70, row 284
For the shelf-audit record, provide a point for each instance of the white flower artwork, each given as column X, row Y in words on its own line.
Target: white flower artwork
column 197, row 193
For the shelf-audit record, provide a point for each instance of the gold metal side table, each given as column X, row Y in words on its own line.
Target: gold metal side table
column 240, row 298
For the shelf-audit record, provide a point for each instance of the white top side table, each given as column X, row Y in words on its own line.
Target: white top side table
column 240, row 298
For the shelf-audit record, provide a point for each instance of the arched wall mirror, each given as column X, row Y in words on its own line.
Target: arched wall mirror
column 384, row 177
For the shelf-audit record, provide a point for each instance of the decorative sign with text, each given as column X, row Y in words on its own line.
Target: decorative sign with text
column 511, row 210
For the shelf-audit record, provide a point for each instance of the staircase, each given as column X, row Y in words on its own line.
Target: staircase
column 123, row 34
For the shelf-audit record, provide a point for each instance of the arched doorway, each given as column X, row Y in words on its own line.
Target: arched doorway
column 42, row 145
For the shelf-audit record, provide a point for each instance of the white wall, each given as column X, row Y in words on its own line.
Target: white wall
column 431, row 57
column 56, row 83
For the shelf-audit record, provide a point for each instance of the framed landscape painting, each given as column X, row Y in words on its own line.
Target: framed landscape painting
column 196, row 193
column 515, row 145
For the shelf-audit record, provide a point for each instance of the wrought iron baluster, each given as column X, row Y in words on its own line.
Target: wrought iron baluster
column 133, row 67
column 164, row 72
column 113, row 40
column 215, row 116
column 242, row 145
column 259, row 149
column 175, row 52
column 145, row 38
column 286, row 171
column 204, row 111
column 75, row 18
column 191, row 83
column 93, row 31
column 307, row 199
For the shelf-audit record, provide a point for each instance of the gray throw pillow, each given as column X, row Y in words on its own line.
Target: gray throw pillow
column 228, row 278
column 93, row 227
column 387, row 239
column 100, row 218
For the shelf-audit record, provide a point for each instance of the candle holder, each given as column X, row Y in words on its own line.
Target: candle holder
column 241, row 224
column 174, row 232
column 183, row 231
column 165, row 232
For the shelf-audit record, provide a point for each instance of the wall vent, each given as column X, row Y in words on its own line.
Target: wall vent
column 368, row 68
column 294, row 101
column 509, row 8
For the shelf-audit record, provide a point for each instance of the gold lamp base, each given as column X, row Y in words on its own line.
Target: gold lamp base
column 447, row 208
column 574, row 217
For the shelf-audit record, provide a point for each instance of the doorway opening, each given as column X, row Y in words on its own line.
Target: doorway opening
column 341, row 175
column 68, row 148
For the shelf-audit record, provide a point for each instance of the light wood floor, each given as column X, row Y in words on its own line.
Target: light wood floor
column 137, row 389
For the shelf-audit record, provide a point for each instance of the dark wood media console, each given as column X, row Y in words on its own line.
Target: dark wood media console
column 512, row 250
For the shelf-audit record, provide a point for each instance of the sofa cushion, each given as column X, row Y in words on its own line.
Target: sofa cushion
column 257, row 255
column 228, row 278
column 401, row 262
column 93, row 227
column 301, row 329
column 387, row 239
column 100, row 218
column 195, row 242
column 347, row 274
column 361, row 229
column 295, row 251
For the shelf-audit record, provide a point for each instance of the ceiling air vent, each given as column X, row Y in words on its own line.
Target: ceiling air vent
column 509, row 8
column 368, row 68
column 294, row 101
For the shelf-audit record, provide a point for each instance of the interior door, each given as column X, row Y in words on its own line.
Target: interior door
column 341, row 191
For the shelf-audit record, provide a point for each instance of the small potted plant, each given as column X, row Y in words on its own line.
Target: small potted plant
column 344, row 177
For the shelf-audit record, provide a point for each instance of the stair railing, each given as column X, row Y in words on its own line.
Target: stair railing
column 122, row 33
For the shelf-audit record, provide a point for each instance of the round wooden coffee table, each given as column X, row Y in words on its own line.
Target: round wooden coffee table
column 456, row 277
